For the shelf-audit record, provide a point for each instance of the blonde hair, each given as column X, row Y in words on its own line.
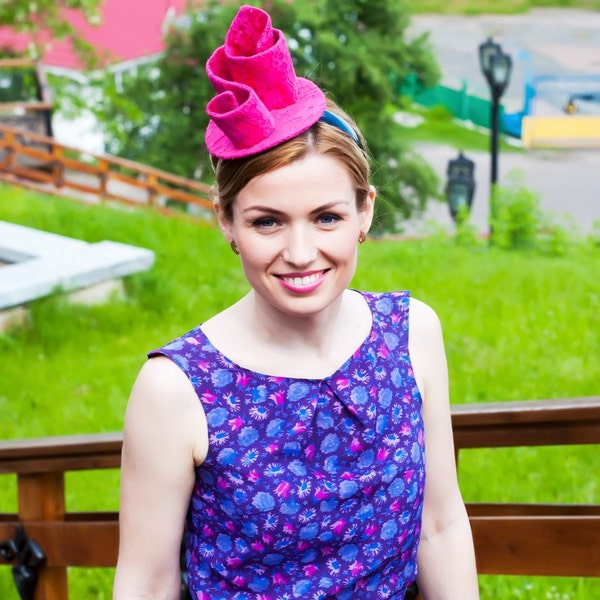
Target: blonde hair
column 232, row 175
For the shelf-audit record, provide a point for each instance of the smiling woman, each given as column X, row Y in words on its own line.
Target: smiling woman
column 284, row 439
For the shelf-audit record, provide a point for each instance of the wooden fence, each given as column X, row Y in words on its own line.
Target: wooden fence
column 511, row 539
column 39, row 162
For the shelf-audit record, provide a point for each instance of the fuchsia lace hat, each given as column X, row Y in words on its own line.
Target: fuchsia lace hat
column 260, row 101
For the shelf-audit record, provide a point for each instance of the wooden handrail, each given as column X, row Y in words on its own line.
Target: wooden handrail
column 512, row 539
column 39, row 162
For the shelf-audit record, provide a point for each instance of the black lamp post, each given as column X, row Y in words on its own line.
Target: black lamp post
column 460, row 186
column 496, row 66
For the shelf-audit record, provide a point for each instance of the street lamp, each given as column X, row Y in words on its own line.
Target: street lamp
column 460, row 186
column 496, row 66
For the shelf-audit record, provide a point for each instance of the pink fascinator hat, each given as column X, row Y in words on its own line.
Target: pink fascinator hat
column 260, row 101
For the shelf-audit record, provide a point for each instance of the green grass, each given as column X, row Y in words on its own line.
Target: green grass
column 517, row 326
column 482, row 7
column 438, row 126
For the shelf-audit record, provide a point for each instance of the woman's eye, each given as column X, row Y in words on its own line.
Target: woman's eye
column 328, row 219
column 264, row 223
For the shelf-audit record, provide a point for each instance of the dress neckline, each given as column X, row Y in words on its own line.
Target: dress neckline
column 356, row 353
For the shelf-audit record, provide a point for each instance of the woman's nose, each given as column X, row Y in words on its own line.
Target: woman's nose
column 300, row 247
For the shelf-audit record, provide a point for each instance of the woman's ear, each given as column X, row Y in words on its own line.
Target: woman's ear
column 223, row 221
column 366, row 213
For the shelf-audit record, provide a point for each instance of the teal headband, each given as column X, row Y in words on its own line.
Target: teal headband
column 332, row 119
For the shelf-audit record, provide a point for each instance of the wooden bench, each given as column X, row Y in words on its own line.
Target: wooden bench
column 510, row 539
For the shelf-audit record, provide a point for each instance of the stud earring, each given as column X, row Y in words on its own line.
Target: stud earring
column 362, row 237
column 234, row 247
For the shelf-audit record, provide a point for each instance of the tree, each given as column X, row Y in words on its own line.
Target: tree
column 42, row 17
column 356, row 50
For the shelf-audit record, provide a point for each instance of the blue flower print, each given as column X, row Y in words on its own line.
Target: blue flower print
column 365, row 513
column 216, row 417
column 382, row 424
column 349, row 552
column 247, row 436
column 366, row 459
column 221, row 377
column 289, row 508
column 359, row 395
column 397, row 378
column 250, row 529
column 301, row 588
column 263, row 501
column 330, row 443
column 384, row 305
column 389, row 472
column 224, row 542
column 348, row 489
column 396, row 487
column 324, row 420
column 297, row 468
column 275, row 427
column 273, row 559
column 297, row 391
column 391, row 340
column 389, row 529
column 226, row 456
column 309, row 556
column 259, row 584
column 385, row 397
column 259, row 394
column 308, row 532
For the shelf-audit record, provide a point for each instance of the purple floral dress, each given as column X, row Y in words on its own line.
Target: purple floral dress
column 312, row 488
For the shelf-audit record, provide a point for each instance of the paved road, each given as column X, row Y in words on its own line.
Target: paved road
column 545, row 42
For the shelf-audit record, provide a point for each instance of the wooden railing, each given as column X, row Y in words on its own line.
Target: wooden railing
column 41, row 163
column 512, row 539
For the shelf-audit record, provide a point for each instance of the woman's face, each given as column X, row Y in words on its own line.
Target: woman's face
column 297, row 230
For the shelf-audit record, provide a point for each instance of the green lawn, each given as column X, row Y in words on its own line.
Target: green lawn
column 482, row 7
column 517, row 326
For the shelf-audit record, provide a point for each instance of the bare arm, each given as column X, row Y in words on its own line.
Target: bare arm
column 446, row 559
column 165, row 435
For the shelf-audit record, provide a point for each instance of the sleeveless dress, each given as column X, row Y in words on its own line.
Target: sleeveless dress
column 312, row 488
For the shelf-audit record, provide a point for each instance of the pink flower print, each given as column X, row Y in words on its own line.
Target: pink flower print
column 299, row 428
column 234, row 561
column 338, row 526
column 395, row 506
column 373, row 392
column 267, row 538
column 309, row 451
column 356, row 445
column 254, row 476
column 239, row 580
column 310, row 570
column 371, row 529
column 356, row 567
column 408, row 475
column 242, row 379
column 322, row 494
column 279, row 579
column 327, row 550
column 230, row 526
column 277, row 397
column 222, row 483
column 382, row 453
column 342, row 383
column 208, row 531
column 204, row 365
column 347, row 476
column 288, row 528
column 257, row 546
column 383, row 351
column 208, row 397
column 302, row 545
column 210, row 511
column 405, row 430
column 283, row 489
column 272, row 448
column 236, row 423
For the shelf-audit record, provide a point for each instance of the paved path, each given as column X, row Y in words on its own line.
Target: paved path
column 547, row 42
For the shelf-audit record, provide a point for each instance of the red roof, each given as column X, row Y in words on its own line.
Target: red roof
column 130, row 29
